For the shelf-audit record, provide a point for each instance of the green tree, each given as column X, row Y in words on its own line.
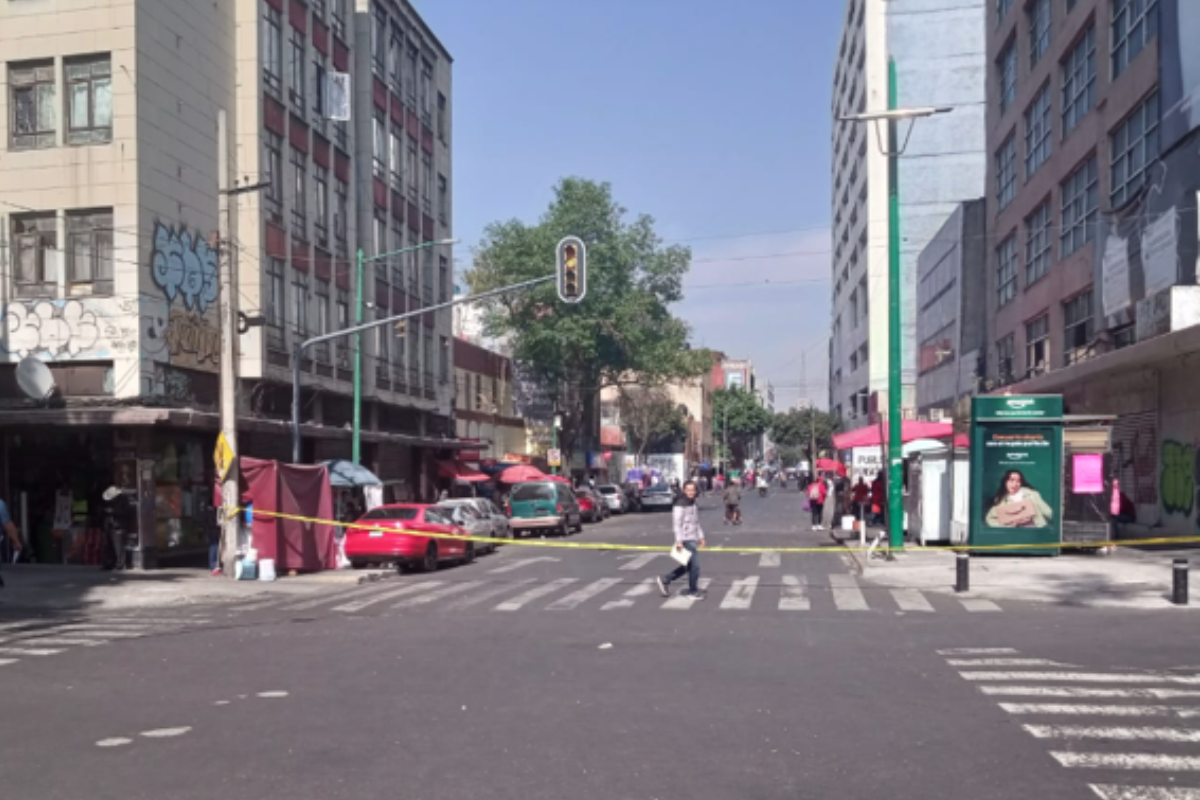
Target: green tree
column 740, row 415
column 797, row 428
column 622, row 333
column 651, row 419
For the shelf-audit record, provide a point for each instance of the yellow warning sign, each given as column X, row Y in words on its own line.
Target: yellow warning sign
column 223, row 457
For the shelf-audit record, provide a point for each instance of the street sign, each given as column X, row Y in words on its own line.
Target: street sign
column 223, row 456
column 554, row 458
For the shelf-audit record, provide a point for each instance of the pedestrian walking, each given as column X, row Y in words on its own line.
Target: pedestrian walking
column 817, row 493
column 689, row 538
column 11, row 532
column 733, row 503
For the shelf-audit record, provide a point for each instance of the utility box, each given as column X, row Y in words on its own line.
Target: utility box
column 1016, row 474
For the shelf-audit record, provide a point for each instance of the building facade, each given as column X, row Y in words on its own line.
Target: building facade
column 163, row 137
column 936, row 49
column 484, row 411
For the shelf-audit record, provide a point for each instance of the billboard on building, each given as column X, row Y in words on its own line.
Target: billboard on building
column 1179, row 69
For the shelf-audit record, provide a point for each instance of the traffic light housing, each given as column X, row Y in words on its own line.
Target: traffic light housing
column 572, row 269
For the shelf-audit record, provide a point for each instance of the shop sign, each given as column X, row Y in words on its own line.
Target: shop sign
column 223, row 456
column 554, row 457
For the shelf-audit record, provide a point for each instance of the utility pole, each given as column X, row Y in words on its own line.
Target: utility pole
column 228, row 307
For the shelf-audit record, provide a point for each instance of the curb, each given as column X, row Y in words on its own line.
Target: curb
column 849, row 554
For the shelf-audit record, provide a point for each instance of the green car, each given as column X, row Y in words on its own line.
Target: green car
column 547, row 506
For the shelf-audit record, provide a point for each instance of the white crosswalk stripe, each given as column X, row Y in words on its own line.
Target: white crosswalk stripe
column 1109, row 792
column 28, row 651
column 911, row 600
column 6, row 661
column 794, row 594
column 770, row 559
column 978, row 604
column 39, row 638
column 1087, row 691
column 681, row 603
column 627, row 600
column 740, row 594
column 305, row 605
column 1081, row 677
column 515, row 603
column 978, row 651
column 1114, row 733
column 846, row 594
column 1080, row 709
column 1004, row 662
column 641, row 560
column 519, row 563
column 583, row 595
column 383, row 596
column 438, row 594
column 1154, row 761
column 487, row 594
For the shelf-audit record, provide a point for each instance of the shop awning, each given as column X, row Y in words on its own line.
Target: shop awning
column 910, row 430
column 460, row 472
column 346, row 474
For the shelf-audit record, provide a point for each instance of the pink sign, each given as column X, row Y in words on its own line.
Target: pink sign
column 1088, row 472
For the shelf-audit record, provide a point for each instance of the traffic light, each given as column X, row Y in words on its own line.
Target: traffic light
column 402, row 329
column 572, row 270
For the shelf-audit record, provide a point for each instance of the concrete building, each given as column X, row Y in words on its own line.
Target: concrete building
column 951, row 306
column 484, row 411
column 112, row 184
column 737, row 374
column 938, row 48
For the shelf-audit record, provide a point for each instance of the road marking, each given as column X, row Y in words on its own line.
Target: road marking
column 314, row 602
column 977, row 604
column 96, row 632
column 1081, row 709
column 63, row 641
column 794, row 594
column 165, row 733
column 115, row 741
column 273, row 694
column 770, row 559
column 1080, row 677
column 1004, row 662
column 521, row 562
column 1079, row 691
column 681, row 603
column 515, row 603
column 573, row 599
column 28, row 651
column 740, row 594
column 977, row 651
column 911, row 600
column 438, row 594
column 1127, row 761
column 639, row 561
column 379, row 597
column 7, row 661
column 1106, row 792
column 486, row 594
column 846, row 595
column 1115, row 734
column 641, row 590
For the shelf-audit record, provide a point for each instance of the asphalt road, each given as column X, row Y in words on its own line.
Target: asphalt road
column 513, row 678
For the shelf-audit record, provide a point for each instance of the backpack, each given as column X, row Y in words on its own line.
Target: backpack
column 814, row 491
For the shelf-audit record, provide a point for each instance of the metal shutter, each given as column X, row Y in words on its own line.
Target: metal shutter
column 1135, row 462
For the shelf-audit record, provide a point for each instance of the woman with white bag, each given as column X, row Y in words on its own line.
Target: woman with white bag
column 689, row 538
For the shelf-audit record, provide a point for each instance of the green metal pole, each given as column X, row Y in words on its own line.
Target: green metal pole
column 358, row 318
column 895, row 439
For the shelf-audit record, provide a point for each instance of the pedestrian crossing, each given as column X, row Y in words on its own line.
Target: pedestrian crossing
column 1139, row 727
column 505, row 594
column 34, row 639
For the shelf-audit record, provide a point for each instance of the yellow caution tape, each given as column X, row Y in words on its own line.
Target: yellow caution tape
column 881, row 548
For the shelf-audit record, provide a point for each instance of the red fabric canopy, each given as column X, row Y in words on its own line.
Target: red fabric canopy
column 298, row 491
column 910, row 429
column 522, row 473
column 829, row 465
column 460, row 471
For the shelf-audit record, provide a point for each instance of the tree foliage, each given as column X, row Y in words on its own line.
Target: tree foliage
column 797, row 428
column 738, row 414
column 652, row 420
column 621, row 333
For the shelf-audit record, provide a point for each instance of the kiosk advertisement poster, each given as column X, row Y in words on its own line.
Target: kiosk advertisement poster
column 1016, row 482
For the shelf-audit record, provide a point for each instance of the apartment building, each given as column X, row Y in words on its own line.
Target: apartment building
column 937, row 49
column 143, row 142
column 484, row 411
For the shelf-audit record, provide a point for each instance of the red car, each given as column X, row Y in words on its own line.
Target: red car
column 588, row 509
column 395, row 535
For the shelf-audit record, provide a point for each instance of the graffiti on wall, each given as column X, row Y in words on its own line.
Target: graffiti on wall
column 1177, row 483
column 184, row 267
column 51, row 329
column 192, row 341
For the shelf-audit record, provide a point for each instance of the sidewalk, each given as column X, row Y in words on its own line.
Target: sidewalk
column 1126, row 578
column 31, row 587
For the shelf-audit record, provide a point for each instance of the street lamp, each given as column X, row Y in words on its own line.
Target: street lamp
column 358, row 320
column 893, row 148
column 554, row 441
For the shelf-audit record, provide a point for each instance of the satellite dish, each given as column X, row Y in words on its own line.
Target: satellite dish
column 35, row 379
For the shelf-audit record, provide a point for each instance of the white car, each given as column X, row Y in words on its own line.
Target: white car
column 614, row 498
column 463, row 513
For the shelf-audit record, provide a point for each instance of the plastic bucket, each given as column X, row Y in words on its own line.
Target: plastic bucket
column 246, row 570
column 266, row 569
column 848, row 522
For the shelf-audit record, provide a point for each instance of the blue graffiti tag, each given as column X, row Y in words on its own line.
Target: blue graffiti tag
column 184, row 266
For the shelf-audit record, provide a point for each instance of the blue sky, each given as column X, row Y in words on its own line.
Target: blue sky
column 710, row 116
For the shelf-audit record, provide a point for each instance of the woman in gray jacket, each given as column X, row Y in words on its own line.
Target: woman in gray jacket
column 689, row 536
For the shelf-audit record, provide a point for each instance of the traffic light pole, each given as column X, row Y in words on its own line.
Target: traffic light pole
column 366, row 326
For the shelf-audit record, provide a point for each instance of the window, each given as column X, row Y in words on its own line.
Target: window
column 395, row 60
column 427, row 277
column 341, row 204
column 1006, row 73
column 1006, row 171
column 379, row 231
column 31, row 97
column 272, row 49
column 321, row 222
column 320, row 106
column 1039, row 29
column 339, row 18
column 300, row 299
column 427, row 183
column 272, row 173
column 396, row 162
column 276, row 304
column 1037, row 244
column 444, row 369
column 1006, row 271
column 1079, row 196
column 426, row 92
column 34, row 237
column 443, row 279
column 1079, row 81
column 379, row 153
column 383, row 350
column 443, row 199
column 321, row 349
column 441, row 117
column 1005, row 353
column 379, row 41
column 90, row 252
column 300, row 195
column 1134, row 23
column 343, row 322
column 89, row 99
column 1037, row 345
column 428, row 362
column 410, row 78
column 1077, row 328
column 412, row 172
column 1002, row 7
column 1037, row 131
column 1133, row 146
column 296, row 67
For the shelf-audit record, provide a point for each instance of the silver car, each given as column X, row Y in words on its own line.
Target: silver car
column 462, row 511
column 501, row 528
column 658, row 497
column 614, row 498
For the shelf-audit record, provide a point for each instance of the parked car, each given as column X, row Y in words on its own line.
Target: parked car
column 589, row 507
column 547, row 506
column 657, row 497
column 464, row 514
column 601, row 507
column 395, row 536
column 614, row 498
column 500, row 525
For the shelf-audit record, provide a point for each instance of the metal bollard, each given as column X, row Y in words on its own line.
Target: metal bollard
column 1179, row 582
column 962, row 573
